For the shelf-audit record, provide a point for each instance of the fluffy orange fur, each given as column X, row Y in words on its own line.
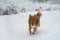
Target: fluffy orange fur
column 34, row 21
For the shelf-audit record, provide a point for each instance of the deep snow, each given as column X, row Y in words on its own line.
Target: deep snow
column 15, row 27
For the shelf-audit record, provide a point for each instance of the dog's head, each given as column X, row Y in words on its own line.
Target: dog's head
column 32, row 20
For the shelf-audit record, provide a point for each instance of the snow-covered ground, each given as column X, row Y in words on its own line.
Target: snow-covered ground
column 15, row 27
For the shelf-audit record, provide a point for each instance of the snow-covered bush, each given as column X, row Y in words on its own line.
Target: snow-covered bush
column 8, row 11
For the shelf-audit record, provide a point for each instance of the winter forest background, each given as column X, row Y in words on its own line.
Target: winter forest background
column 8, row 7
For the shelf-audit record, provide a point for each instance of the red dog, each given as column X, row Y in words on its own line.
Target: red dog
column 34, row 21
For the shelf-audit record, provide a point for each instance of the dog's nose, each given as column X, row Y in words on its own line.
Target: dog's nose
column 32, row 24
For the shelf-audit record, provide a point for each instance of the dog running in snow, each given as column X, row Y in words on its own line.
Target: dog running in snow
column 34, row 21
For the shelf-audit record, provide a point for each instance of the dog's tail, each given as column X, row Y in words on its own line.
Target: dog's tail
column 39, row 14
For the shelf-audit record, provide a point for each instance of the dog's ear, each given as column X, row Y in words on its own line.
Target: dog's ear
column 29, row 15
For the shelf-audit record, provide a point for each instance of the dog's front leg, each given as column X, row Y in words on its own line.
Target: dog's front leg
column 35, row 29
column 30, row 29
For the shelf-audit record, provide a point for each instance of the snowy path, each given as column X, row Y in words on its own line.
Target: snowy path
column 15, row 27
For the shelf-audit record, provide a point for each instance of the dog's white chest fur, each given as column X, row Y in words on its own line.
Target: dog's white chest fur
column 32, row 29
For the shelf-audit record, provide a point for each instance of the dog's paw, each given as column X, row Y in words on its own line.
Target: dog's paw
column 33, row 33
